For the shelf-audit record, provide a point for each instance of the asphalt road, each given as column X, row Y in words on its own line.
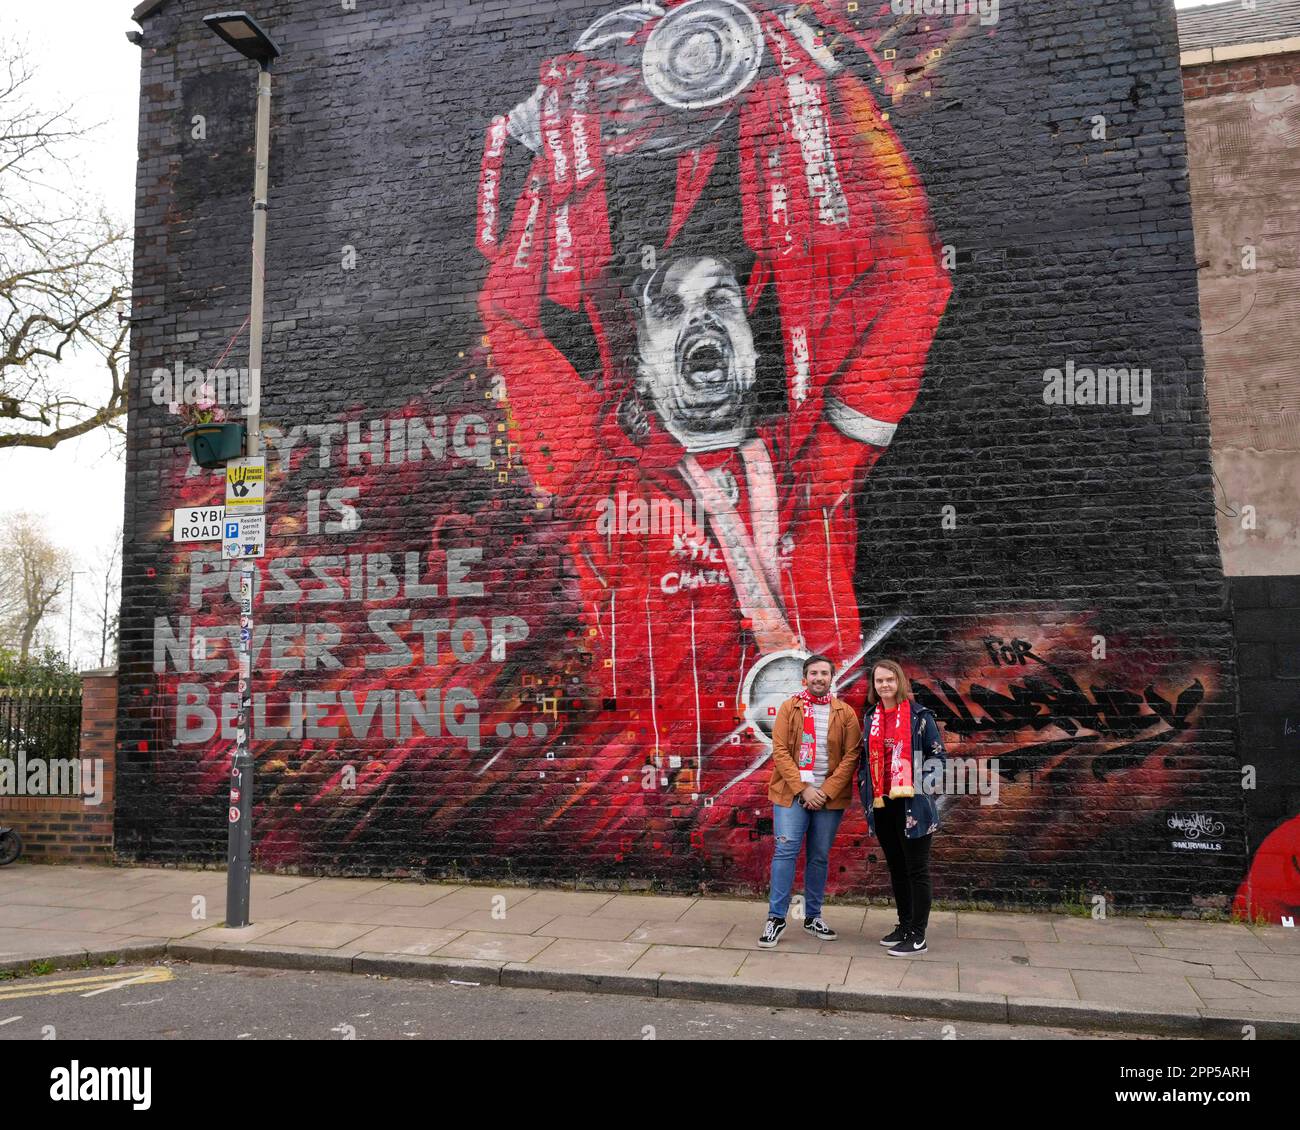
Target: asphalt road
column 180, row 1001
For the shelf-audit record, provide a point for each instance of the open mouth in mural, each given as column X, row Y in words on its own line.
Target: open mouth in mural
column 707, row 393
column 706, row 372
column 707, row 361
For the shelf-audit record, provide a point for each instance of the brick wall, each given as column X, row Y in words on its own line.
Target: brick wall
column 64, row 829
column 1266, row 614
column 1245, row 166
column 583, row 430
column 1240, row 76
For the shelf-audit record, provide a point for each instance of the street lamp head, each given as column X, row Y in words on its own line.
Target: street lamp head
column 245, row 35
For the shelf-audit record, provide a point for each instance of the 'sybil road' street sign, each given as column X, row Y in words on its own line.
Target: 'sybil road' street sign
column 198, row 523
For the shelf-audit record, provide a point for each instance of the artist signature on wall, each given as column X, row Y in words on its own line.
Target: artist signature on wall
column 1196, row 824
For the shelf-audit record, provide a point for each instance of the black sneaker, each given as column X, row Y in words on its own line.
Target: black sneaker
column 818, row 929
column 896, row 935
column 772, row 933
column 910, row 946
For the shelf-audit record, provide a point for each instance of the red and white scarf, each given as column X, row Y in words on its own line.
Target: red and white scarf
column 891, row 757
column 807, row 756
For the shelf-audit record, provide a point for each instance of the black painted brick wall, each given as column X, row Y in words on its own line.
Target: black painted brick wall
column 1266, row 614
column 1067, row 247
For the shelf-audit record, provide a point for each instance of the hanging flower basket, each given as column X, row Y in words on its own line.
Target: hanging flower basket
column 213, row 444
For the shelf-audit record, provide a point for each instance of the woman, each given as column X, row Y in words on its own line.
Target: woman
column 900, row 770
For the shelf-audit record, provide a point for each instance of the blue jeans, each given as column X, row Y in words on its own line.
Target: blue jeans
column 789, row 827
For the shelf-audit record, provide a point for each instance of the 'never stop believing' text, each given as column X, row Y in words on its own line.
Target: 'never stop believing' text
column 370, row 578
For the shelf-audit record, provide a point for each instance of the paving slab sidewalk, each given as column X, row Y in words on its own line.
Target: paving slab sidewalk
column 1153, row 975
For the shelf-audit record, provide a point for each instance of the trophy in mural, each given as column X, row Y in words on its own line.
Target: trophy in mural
column 665, row 82
column 743, row 559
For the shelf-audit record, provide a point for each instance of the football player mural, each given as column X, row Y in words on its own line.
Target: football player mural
column 711, row 518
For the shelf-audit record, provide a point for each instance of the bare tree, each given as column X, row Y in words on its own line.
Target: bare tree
column 64, row 279
column 100, row 608
column 33, row 574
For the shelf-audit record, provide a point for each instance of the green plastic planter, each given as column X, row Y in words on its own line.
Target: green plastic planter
column 213, row 444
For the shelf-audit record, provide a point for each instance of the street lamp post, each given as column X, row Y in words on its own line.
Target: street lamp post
column 242, row 32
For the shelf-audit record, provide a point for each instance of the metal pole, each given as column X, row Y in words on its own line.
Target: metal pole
column 103, row 624
column 72, row 592
column 239, row 862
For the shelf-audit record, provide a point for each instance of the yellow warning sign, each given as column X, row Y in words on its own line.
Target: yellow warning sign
column 245, row 485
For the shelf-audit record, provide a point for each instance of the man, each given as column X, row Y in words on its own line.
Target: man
column 816, row 744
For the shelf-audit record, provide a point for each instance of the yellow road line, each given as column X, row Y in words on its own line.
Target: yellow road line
column 80, row 984
column 86, row 979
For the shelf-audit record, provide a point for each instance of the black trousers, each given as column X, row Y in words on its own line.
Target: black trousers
column 909, row 865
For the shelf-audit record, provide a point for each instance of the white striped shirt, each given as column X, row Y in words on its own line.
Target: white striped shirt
column 821, row 727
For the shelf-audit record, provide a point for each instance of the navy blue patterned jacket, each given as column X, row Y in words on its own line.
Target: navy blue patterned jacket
column 928, row 760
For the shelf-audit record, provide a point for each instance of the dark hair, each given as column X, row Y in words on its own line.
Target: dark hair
column 904, row 686
column 817, row 659
column 650, row 284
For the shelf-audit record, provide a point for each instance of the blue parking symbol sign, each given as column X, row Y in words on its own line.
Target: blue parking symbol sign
column 232, row 531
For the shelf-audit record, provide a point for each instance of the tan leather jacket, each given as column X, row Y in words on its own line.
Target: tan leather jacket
column 843, row 750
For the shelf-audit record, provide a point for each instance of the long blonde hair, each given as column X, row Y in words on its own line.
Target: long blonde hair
column 904, row 686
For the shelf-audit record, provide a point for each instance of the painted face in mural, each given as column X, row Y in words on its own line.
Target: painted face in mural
column 697, row 359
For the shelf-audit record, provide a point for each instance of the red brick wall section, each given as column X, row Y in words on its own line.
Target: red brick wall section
column 1241, row 76
column 64, row 829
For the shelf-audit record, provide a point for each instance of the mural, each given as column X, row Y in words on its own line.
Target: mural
column 711, row 281
column 742, row 561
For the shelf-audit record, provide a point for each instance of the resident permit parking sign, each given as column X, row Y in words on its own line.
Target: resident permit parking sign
column 245, row 485
column 243, row 536
column 198, row 523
